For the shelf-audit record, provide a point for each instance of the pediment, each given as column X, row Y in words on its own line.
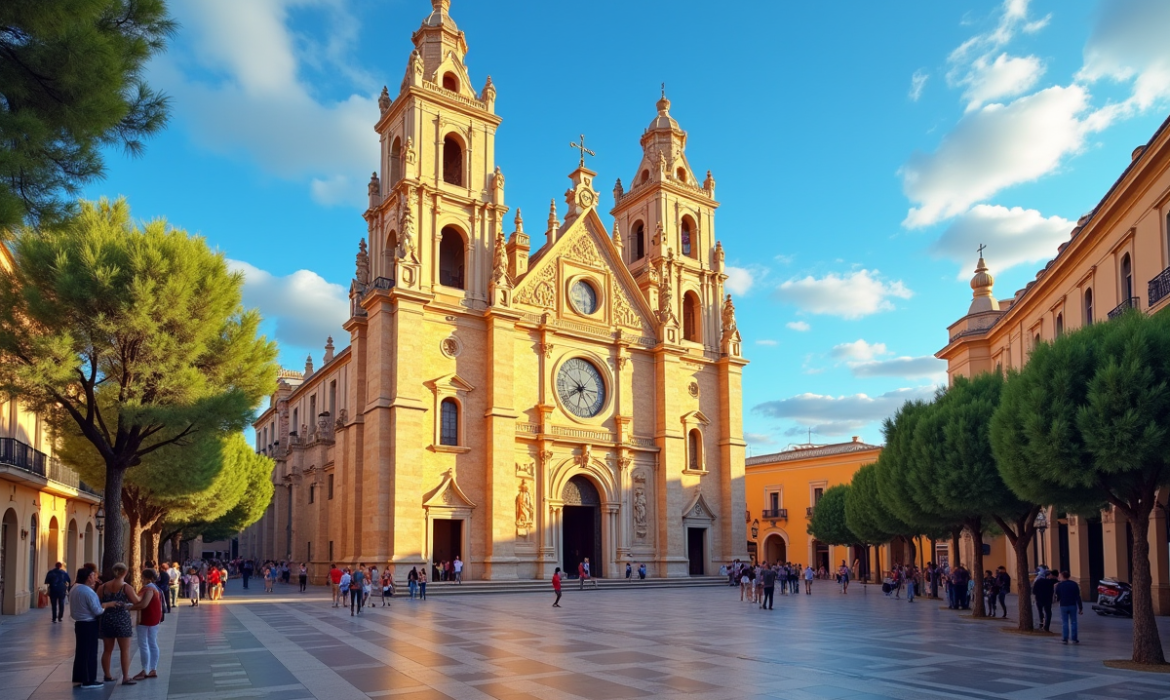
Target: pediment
column 447, row 494
column 450, row 383
column 586, row 243
column 698, row 509
column 695, row 417
column 452, row 63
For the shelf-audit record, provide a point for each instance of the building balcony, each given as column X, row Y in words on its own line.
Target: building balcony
column 775, row 514
column 1159, row 287
column 16, row 454
column 1130, row 303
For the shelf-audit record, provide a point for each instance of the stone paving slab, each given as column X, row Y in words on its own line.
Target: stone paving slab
column 698, row 644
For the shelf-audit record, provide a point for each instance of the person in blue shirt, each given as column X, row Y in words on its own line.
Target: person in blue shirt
column 1068, row 596
column 57, row 581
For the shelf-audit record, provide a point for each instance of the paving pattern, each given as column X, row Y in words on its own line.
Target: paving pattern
column 700, row 644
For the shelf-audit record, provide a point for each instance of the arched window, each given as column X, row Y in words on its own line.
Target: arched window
column 638, row 242
column 1089, row 307
column 452, row 160
column 691, row 318
column 1036, row 341
column 644, row 177
column 451, row 258
column 449, row 422
column 396, row 161
column 389, row 254
column 1126, row 278
column 681, row 174
column 690, row 246
column 450, row 82
column 1059, row 325
column 695, row 450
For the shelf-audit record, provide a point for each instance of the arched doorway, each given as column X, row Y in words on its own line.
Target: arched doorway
column 775, row 548
column 32, row 562
column 9, row 531
column 71, row 563
column 581, row 526
column 90, row 543
column 54, row 543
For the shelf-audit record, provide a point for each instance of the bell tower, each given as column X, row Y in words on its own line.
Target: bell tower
column 667, row 221
column 437, row 202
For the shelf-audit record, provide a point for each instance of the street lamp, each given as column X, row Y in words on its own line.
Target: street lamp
column 100, row 523
column 1041, row 526
column 755, row 529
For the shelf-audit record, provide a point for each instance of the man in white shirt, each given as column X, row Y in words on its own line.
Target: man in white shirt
column 85, row 608
column 346, row 578
column 458, row 569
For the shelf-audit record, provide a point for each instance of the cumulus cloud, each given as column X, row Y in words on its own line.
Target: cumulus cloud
column 993, row 148
column 739, row 280
column 238, row 80
column 304, row 306
column 926, row 366
column 917, row 84
column 1128, row 44
column 759, row 439
column 851, row 295
column 767, row 342
column 858, row 351
column 1013, row 236
column 799, row 326
column 841, row 415
column 1003, row 76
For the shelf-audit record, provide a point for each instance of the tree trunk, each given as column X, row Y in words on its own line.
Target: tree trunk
column 975, row 525
column 114, row 537
column 955, row 558
column 154, row 534
column 134, row 555
column 1023, row 589
column 1147, row 644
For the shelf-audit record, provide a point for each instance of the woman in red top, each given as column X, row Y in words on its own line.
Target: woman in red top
column 149, row 607
column 557, row 587
column 213, row 583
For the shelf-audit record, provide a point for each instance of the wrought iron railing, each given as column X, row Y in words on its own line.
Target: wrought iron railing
column 1130, row 303
column 1160, row 287
column 775, row 514
column 15, row 453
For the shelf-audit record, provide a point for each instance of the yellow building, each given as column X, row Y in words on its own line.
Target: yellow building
column 1117, row 257
column 521, row 409
column 783, row 489
column 49, row 515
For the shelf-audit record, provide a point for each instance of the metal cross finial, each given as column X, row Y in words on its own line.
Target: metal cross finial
column 581, row 147
column 664, row 89
column 981, row 248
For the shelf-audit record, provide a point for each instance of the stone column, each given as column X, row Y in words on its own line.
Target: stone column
column 609, row 539
column 501, row 484
column 1160, row 554
column 1078, row 552
column 732, row 530
column 1113, row 528
column 671, row 499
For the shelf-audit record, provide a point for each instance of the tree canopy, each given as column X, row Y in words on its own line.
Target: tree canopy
column 828, row 523
column 71, row 83
column 134, row 337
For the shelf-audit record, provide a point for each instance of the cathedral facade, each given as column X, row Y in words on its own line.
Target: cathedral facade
column 520, row 404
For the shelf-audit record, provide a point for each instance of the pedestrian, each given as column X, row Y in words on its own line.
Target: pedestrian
column 371, row 578
column 745, row 590
column 246, row 572
column 174, row 579
column 642, row 571
column 629, row 571
column 335, row 583
column 150, row 615
column 57, row 581
column 343, row 583
column 191, row 580
column 1068, row 594
column 1043, row 590
column 556, row 583
column 387, row 585
column 458, row 570
column 213, row 583
column 116, row 626
column 303, row 577
column 911, row 583
column 1004, row 582
column 422, row 585
column 843, row 577
column 809, row 574
column 86, row 608
column 356, row 590
column 412, row 581
column 768, row 580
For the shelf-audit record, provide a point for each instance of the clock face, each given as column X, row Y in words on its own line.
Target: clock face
column 584, row 298
column 581, row 388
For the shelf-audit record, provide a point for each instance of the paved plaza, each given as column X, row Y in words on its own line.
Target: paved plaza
column 669, row 643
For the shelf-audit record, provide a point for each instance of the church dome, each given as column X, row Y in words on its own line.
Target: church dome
column 439, row 15
column 663, row 120
column 982, row 298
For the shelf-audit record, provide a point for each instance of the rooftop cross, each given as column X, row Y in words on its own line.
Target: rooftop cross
column 981, row 248
column 581, row 147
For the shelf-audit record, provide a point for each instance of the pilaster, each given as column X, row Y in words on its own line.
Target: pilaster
column 500, row 425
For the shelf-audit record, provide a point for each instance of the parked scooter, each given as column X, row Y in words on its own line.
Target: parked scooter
column 1114, row 598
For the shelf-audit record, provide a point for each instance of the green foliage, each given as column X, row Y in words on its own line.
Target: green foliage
column 865, row 515
column 828, row 523
column 71, row 83
column 896, row 473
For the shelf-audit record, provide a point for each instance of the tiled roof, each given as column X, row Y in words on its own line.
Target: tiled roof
column 813, row 451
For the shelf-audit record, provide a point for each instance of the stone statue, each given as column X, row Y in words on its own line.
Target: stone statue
column 640, row 528
column 416, row 63
column 720, row 255
column 524, row 507
column 665, row 295
column 406, row 246
column 728, row 317
column 500, row 274
column 384, row 100
column 657, row 239
column 498, row 179
column 618, row 190
column 661, row 162
column 617, row 235
column 375, row 186
column 409, row 149
column 363, row 265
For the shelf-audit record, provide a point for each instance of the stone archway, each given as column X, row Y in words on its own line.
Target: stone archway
column 581, row 526
column 775, row 548
column 9, row 537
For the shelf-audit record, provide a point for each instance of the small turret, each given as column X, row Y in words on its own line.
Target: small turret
column 328, row 350
column 308, row 366
column 981, row 287
column 553, row 224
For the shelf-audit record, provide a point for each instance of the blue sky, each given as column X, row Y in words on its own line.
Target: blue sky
column 862, row 151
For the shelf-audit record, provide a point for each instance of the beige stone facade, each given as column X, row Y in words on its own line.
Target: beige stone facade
column 519, row 404
column 1117, row 257
column 48, row 515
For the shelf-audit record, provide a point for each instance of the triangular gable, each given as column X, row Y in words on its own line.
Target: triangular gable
column 447, row 494
column 451, row 383
column 585, row 241
column 452, row 63
column 696, row 417
column 698, row 508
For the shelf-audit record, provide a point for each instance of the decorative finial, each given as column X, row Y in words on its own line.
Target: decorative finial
column 982, row 298
column 981, row 249
column 519, row 221
column 308, row 365
column 552, row 212
column 664, row 90
column 384, row 99
column 581, row 147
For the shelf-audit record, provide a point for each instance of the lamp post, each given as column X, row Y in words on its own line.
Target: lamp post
column 100, row 523
column 1041, row 526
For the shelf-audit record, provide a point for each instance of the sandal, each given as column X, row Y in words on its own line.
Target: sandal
column 152, row 674
column 109, row 680
column 129, row 683
column 141, row 676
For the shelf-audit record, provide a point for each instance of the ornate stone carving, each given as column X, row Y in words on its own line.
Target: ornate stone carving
column 450, row 346
column 342, row 419
column 657, row 239
column 618, row 190
column 416, row 64
column 362, row 274
column 384, row 100
column 541, row 291
column 500, row 276
column 579, row 491
column 545, row 458
column 408, row 150
column 406, row 248
column 666, row 294
column 526, row 471
column 546, row 349
column 729, row 326
column 524, row 508
column 583, row 250
column 498, row 179
column 641, row 508
column 720, row 255
column 375, row 187
column 693, row 389
column 585, row 457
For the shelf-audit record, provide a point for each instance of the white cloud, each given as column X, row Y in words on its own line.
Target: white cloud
column 799, row 326
column 992, row 148
column 851, row 295
column 917, row 84
column 239, row 83
column 1013, row 14
column 759, row 439
column 767, row 342
column 739, row 280
column 1129, row 44
column 1013, row 237
column 305, row 307
column 841, row 415
column 858, row 351
column 926, row 366
column 1005, row 76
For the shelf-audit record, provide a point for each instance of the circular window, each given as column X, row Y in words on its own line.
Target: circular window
column 583, row 295
column 581, row 388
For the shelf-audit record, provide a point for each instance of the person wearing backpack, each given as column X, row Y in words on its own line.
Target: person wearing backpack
column 356, row 583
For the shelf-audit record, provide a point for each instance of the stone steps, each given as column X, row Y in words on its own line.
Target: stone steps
column 530, row 586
